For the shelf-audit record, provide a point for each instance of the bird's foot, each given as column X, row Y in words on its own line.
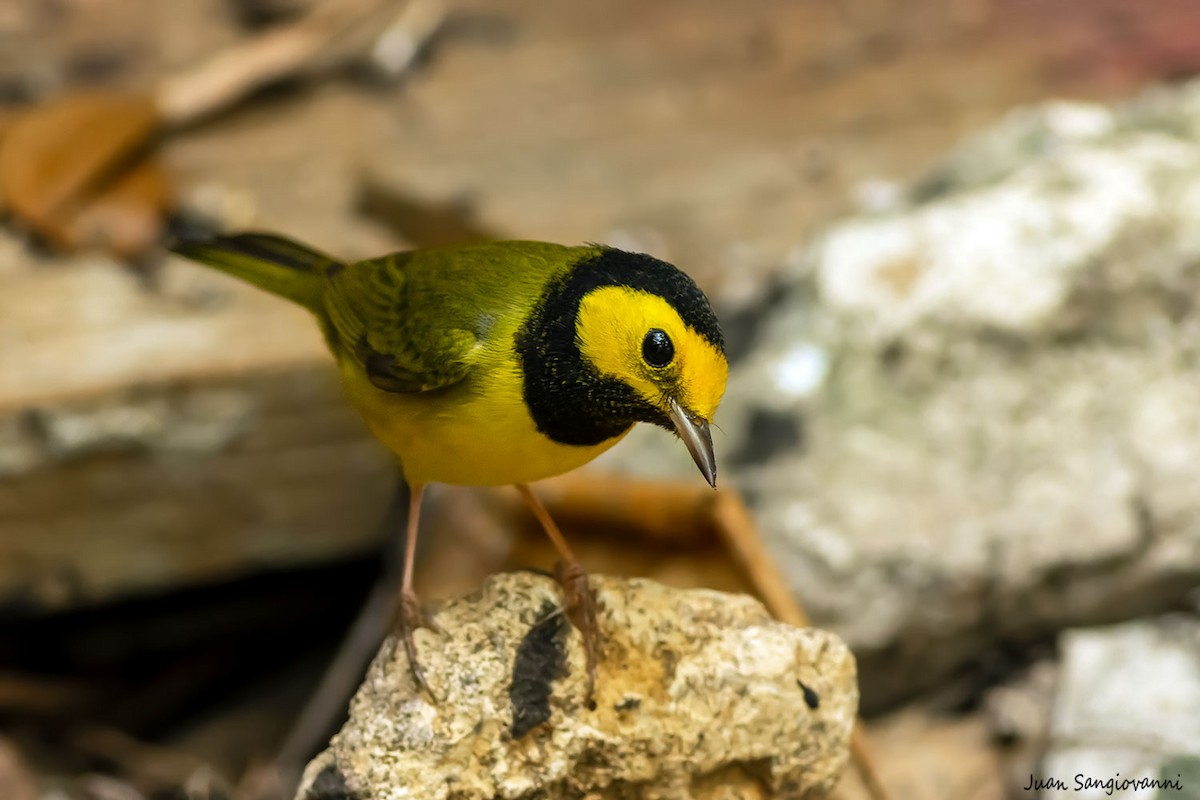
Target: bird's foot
column 581, row 610
column 410, row 616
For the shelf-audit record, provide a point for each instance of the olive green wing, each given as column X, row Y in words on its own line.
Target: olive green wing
column 423, row 320
column 402, row 337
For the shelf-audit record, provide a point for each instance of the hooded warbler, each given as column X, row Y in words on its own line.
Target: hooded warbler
column 502, row 363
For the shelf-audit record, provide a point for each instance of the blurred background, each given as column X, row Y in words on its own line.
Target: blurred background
column 954, row 245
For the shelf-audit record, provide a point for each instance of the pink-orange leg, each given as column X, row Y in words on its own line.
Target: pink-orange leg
column 580, row 601
column 409, row 614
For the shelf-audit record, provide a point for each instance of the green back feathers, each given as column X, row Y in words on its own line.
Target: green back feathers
column 413, row 321
column 278, row 265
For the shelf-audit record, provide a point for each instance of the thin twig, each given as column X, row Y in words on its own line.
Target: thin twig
column 331, row 33
column 150, row 766
column 738, row 531
column 398, row 47
column 328, row 701
column 341, row 677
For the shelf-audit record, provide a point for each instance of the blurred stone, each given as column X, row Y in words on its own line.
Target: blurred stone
column 698, row 694
column 1019, row 710
column 1128, row 710
column 996, row 384
column 1017, row 718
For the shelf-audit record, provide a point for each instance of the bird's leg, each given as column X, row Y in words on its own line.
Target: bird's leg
column 580, row 601
column 409, row 614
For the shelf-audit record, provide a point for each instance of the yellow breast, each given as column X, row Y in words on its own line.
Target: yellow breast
column 476, row 433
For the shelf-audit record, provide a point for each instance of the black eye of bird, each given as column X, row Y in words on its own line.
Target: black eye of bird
column 657, row 348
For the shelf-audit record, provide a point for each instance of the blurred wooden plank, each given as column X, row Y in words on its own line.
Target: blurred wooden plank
column 84, row 328
column 149, row 440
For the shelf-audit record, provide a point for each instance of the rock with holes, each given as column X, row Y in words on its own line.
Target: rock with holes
column 698, row 694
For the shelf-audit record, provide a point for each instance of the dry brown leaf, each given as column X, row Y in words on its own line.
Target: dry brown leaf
column 57, row 151
column 76, row 171
column 80, row 170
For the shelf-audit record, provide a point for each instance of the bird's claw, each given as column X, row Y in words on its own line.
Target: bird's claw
column 581, row 610
column 409, row 617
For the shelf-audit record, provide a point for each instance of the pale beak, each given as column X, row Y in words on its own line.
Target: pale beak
column 697, row 438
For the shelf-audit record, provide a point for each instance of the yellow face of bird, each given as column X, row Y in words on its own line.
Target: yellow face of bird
column 640, row 339
column 623, row 338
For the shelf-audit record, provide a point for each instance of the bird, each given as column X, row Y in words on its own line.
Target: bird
column 501, row 363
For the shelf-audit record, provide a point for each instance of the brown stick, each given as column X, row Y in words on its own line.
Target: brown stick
column 738, row 531
column 151, row 766
column 333, row 31
column 740, row 534
column 684, row 511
